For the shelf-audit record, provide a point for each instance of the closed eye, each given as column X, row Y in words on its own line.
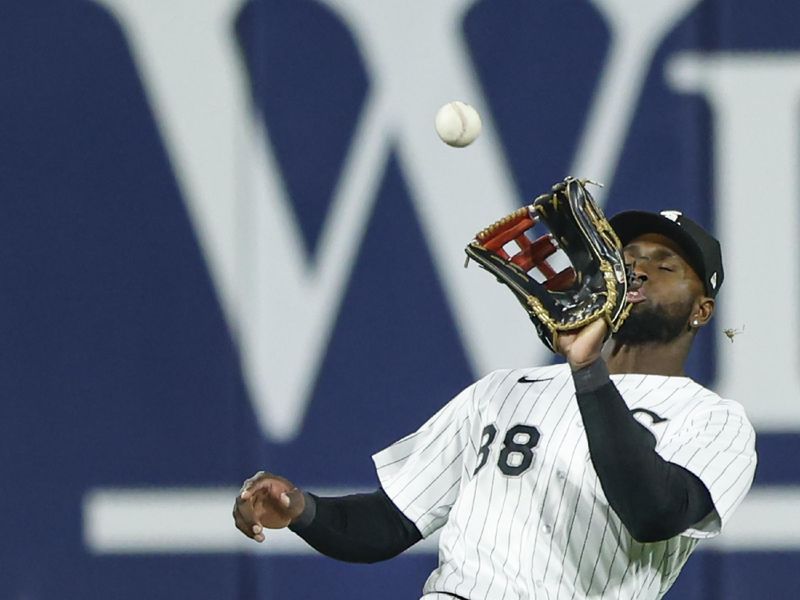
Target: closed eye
column 670, row 269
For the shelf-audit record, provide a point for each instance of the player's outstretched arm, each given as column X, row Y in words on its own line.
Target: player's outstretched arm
column 266, row 501
column 362, row 528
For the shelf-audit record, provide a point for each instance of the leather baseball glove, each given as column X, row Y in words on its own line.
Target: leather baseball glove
column 593, row 283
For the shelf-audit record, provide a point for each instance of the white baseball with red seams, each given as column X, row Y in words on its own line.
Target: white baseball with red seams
column 458, row 124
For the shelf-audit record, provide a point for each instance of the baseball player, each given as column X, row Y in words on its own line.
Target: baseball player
column 590, row 479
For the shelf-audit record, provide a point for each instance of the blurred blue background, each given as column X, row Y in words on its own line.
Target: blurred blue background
column 231, row 241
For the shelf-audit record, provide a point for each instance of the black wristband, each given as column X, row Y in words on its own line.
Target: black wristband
column 591, row 377
column 308, row 514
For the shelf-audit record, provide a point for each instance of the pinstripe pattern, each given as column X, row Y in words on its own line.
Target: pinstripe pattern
column 548, row 532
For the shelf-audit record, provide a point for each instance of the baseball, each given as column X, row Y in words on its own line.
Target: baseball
column 458, row 124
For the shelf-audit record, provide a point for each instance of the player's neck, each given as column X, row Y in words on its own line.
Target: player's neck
column 649, row 359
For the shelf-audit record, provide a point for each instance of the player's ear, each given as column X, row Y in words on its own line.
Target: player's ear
column 702, row 313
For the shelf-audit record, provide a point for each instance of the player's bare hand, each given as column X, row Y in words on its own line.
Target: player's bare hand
column 266, row 501
column 583, row 347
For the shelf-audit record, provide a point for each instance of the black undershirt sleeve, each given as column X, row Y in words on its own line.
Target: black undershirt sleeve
column 655, row 499
column 362, row 528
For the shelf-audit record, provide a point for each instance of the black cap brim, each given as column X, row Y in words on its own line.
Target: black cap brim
column 631, row 224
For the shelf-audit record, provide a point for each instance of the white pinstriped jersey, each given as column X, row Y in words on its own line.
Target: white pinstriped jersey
column 504, row 470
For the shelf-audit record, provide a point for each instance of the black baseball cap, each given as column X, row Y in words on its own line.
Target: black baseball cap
column 702, row 249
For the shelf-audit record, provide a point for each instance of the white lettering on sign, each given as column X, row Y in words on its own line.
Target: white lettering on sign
column 755, row 99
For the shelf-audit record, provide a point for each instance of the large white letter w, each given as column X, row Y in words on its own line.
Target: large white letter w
column 282, row 304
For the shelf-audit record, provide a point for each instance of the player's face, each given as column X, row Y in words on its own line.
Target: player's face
column 665, row 291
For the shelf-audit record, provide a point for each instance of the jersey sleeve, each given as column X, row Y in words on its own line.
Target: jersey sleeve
column 717, row 444
column 421, row 473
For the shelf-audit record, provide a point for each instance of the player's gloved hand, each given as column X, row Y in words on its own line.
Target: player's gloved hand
column 593, row 286
column 582, row 347
column 266, row 501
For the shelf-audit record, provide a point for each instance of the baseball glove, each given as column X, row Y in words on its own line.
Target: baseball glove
column 593, row 286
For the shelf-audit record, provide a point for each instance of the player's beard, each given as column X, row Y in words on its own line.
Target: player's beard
column 648, row 324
